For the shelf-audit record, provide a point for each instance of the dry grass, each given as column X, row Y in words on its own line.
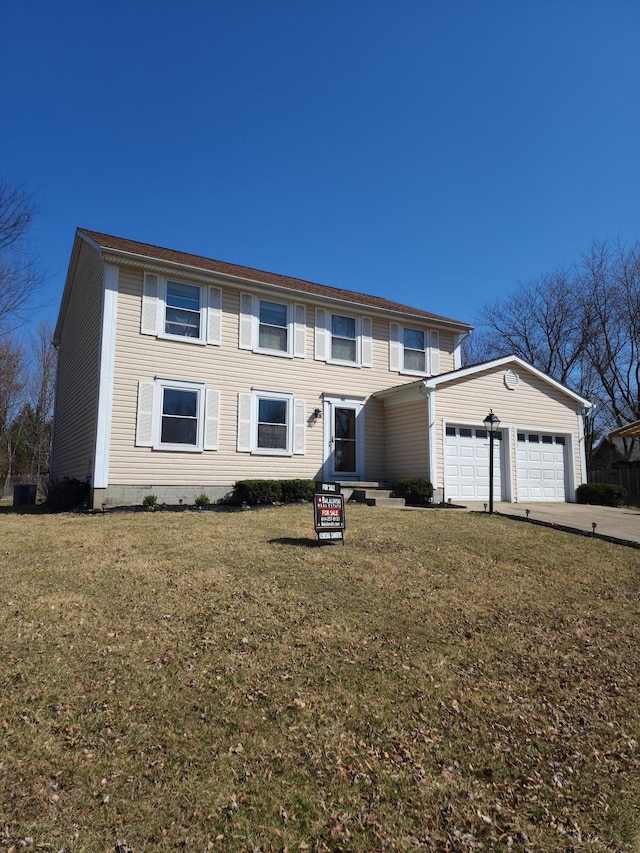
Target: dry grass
column 216, row 681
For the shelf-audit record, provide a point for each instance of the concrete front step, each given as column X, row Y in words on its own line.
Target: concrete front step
column 376, row 497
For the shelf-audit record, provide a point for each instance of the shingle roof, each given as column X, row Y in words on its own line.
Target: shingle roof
column 147, row 250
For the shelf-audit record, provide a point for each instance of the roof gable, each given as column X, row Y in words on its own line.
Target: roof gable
column 475, row 369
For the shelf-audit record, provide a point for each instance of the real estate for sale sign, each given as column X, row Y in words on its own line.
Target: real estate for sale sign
column 328, row 512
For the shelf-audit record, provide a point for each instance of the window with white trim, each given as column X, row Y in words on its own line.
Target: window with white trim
column 414, row 354
column 271, row 327
column 343, row 339
column 271, row 423
column 177, row 415
column 180, row 310
column 413, row 350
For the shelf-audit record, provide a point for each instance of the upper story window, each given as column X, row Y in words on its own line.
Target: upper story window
column 343, row 339
column 183, row 315
column 181, row 311
column 272, row 328
column 413, row 350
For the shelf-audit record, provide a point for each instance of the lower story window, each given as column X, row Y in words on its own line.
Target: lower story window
column 179, row 423
column 272, row 424
column 179, row 415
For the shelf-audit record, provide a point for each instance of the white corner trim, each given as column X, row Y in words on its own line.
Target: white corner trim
column 509, row 450
column 431, row 439
column 105, row 382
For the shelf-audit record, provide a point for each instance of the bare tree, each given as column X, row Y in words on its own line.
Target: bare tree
column 12, row 384
column 582, row 327
column 610, row 303
column 20, row 273
column 41, row 393
column 541, row 323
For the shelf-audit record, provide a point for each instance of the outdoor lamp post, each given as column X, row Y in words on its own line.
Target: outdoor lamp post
column 492, row 422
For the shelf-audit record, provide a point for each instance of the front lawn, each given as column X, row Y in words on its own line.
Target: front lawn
column 203, row 681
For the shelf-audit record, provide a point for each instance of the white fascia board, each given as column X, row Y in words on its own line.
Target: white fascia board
column 501, row 362
column 107, row 368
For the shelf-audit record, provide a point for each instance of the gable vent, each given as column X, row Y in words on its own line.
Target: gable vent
column 511, row 379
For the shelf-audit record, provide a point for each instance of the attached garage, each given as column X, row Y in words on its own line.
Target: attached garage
column 539, row 452
column 466, row 464
column 541, row 467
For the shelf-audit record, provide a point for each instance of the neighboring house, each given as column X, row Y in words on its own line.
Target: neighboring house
column 178, row 374
column 616, row 460
column 622, row 446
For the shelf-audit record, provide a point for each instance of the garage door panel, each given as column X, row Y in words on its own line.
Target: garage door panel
column 468, row 479
column 541, row 467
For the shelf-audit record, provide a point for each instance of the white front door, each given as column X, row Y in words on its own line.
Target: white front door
column 343, row 439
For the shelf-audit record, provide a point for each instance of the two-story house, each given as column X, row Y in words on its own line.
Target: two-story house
column 178, row 374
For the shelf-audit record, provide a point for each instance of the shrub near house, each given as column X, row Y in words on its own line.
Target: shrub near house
column 601, row 494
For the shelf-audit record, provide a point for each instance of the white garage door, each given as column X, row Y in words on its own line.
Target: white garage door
column 541, row 467
column 466, row 464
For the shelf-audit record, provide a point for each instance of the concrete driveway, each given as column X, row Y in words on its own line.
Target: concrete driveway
column 617, row 522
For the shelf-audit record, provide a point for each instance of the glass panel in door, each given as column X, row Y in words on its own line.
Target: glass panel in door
column 345, row 440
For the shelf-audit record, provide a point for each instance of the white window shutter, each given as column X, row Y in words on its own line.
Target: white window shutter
column 321, row 334
column 300, row 331
column 244, row 423
column 211, row 419
column 298, row 426
column 366, row 341
column 144, row 421
column 149, row 318
column 214, row 316
column 394, row 347
column 435, row 353
column 246, row 321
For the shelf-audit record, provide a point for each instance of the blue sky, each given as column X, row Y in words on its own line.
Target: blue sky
column 435, row 153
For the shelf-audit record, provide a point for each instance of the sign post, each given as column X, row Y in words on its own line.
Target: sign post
column 328, row 513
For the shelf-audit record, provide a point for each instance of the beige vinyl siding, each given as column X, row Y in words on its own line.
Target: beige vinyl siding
column 374, row 440
column 78, row 372
column 406, row 450
column 533, row 405
column 231, row 370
